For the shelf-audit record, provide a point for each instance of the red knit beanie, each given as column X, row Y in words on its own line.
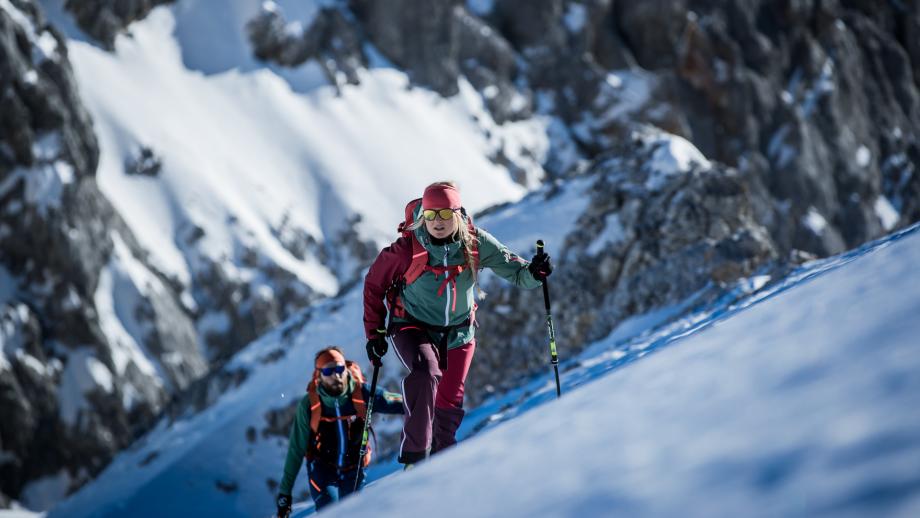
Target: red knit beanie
column 440, row 196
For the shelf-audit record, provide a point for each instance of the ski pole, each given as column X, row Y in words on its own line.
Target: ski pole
column 554, row 359
column 367, row 425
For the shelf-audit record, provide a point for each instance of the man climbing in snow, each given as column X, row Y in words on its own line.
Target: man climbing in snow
column 426, row 280
column 328, row 428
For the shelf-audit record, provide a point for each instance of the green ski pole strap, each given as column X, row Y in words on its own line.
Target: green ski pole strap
column 552, row 338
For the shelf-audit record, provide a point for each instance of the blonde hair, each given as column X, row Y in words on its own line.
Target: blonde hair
column 462, row 233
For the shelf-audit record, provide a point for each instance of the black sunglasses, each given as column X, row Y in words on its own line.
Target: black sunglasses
column 328, row 371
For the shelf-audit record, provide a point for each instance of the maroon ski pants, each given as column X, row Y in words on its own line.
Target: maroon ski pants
column 433, row 399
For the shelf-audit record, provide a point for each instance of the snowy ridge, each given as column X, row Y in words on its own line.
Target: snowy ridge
column 246, row 148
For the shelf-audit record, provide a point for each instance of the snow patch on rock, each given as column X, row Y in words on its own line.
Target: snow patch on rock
column 575, row 17
column 886, row 213
column 815, row 221
column 613, row 233
column 673, row 155
column 863, row 156
column 82, row 374
column 119, row 291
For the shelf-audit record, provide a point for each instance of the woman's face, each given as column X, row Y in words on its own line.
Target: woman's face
column 442, row 228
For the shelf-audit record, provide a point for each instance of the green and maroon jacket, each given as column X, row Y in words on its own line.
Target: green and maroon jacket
column 433, row 298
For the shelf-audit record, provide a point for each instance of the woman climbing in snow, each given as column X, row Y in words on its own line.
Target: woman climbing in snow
column 427, row 278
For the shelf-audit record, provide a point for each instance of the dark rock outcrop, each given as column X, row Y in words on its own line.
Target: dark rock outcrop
column 331, row 39
column 418, row 36
column 820, row 95
column 144, row 163
column 435, row 49
column 105, row 19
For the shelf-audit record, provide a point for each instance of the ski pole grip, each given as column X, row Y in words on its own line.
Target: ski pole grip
column 540, row 247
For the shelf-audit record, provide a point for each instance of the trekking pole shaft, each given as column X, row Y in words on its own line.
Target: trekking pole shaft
column 367, row 425
column 554, row 358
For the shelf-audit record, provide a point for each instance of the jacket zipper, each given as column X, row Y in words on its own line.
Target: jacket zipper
column 446, row 288
column 338, row 414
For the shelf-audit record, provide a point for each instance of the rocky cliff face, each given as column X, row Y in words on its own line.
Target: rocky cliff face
column 818, row 98
column 75, row 387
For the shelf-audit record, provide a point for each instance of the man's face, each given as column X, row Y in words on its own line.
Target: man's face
column 332, row 378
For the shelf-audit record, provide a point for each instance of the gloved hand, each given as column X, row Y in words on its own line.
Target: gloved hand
column 540, row 267
column 284, row 506
column 376, row 348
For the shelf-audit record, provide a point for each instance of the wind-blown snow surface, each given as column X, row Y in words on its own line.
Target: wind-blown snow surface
column 799, row 400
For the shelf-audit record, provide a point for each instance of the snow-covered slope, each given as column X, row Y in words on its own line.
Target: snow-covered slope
column 796, row 401
column 800, row 401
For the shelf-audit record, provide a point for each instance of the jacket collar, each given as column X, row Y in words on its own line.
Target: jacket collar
column 330, row 400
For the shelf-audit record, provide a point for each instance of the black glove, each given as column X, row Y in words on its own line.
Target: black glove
column 376, row 348
column 540, row 267
column 284, row 506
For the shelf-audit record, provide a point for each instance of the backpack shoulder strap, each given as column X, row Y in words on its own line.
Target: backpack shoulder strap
column 315, row 404
column 419, row 254
column 355, row 370
column 357, row 395
column 419, row 261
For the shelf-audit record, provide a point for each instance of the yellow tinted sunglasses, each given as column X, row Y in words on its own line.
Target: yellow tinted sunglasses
column 430, row 214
